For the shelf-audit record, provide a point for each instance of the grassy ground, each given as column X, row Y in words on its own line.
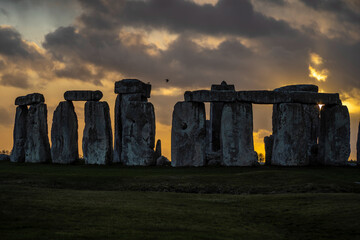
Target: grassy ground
column 43, row 201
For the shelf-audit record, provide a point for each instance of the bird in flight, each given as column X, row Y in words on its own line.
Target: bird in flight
column 167, row 80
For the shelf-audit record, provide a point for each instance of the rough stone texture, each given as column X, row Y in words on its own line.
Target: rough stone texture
column 334, row 140
column 118, row 131
column 223, row 87
column 269, row 143
column 262, row 97
column 358, row 146
column 188, row 134
column 132, row 86
column 299, row 87
column 29, row 99
column 236, row 135
column 295, row 131
column 208, row 136
column 4, row 157
column 213, row 158
column 18, row 151
column 97, row 137
column 138, row 134
column 64, row 134
column 157, row 153
column 215, row 124
column 37, row 146
column 83, row 95
column 162, row 161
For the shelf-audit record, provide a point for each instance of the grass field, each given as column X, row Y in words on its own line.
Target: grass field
column 43, row 201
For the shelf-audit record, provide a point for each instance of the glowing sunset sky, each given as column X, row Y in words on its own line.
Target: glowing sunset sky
column 53, row 46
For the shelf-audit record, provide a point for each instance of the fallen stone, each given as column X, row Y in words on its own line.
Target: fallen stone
column 64, row 134
column 37, row 146
column 334, row 140
column 162, row 161
column 83, row 95
column 269, row 143
column 4, row 157
column 236, row 135
column 138, row 134
column 18, row 151
column 297, row 88
column 295, row 129
column 188, row 135
column 127, row 86
column 97, row 137
column 358, row 146
column 33, row 98
column 158, row 149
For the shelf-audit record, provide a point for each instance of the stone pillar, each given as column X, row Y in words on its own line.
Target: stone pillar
column 97, row 137
column 118, row 131
column 138, row 134
column 18, row 151
column 236, row 135
column 188, row 134
column 157, row 153
column 269, row 143
column 37, row 146
column 334, row 141
column 64, row 134
column 295, row 133
column 358, row 147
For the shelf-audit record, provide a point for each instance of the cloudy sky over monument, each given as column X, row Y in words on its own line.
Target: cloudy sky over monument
column 54, row 46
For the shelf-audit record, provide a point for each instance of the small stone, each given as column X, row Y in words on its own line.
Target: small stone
column 127, row 86
column 18, row 151
column 4, row 157
column 37, row 146
column 83, row 95
column 188, row 135
column 64, row 134
column 33, row 98
column 269, row 143
column 97, row 137
column 162, row 161
column 223, row 87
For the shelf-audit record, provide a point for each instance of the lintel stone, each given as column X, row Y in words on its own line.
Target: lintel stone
column 83, row 95
column 30, row 99
column 129, row 86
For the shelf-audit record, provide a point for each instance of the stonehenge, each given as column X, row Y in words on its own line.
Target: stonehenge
column 303, row 133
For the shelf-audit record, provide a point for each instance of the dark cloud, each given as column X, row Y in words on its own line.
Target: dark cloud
column 11, row 43
column 19, row 80
column 5, row 117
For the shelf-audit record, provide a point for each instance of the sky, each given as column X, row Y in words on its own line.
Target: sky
column 50, row 47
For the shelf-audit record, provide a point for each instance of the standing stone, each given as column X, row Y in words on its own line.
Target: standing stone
column 334, row 141
column 269, row 143
column 97, row 137
column 138, row 134
column 64, row 134
column 236, row 135
column 118, row 131
column 158, row 149
column 295, row 130
column 358, row 146
column 37, row 146
column 188, row 134
column 18, row 151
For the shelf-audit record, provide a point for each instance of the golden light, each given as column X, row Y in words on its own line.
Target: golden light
column 171, row 91
column 320, row 105
column 316, row 59
column 318, row 75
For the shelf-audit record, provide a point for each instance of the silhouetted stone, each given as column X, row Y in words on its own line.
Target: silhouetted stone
column 18, row 151
column 37, row 146
column 188, row 134
column 83, row 95
column 210, row 96
column 64, row 134
column 295, row 128
column 4, row 157
column 236, row 136
column 162, row 161
column 127, row 86
column 97, row 137
column 223, row 87
column 358, row 146
column 138, row 134
column 118, row 131
column 334, row 141
column 157, row 153
column 269, row 143
column 33, row 98
column 297, row 88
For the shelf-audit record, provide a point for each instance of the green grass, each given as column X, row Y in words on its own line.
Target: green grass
column 43, row 201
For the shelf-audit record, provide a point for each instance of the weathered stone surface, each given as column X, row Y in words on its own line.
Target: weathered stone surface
column 132, row 86
column 215, row 124
column 188, row 134
column 295, row 129
column 223, row 87
column 30, row 99
column 118, row 131
column 334, row 140
column 64, row 134
column 297, row 88
column 97, row 137
column 162, row 161
column 208, row 136
column 358, row 146
column 213, row 158
column 18, row 151
column 236, row 135
column 138, row 134
column 158, row 149
column 4, row 157
column 83, row 95
column 210, row 96
column 269, row 143
column 37, row 146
